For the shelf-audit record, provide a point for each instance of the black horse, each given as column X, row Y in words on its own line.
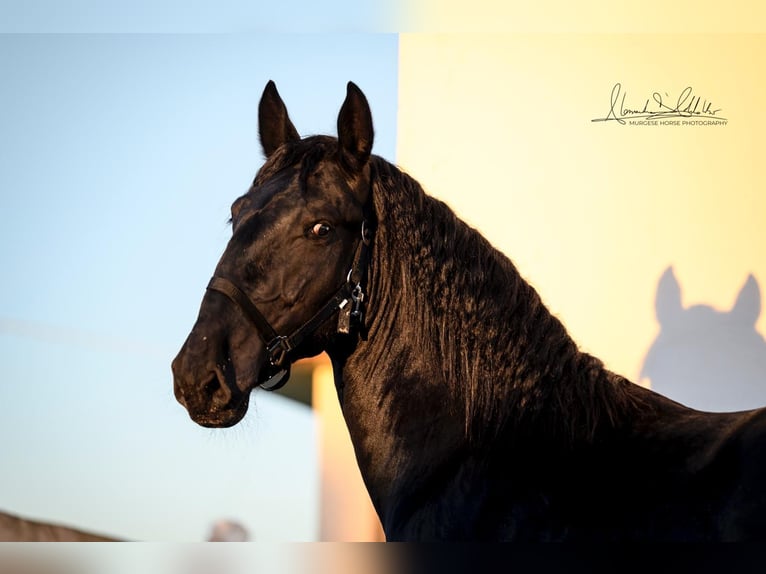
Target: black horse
column 472, row 412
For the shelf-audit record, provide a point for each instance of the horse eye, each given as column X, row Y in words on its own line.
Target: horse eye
column 320, row 229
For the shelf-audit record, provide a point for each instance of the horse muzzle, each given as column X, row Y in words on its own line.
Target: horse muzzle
column 208, row 392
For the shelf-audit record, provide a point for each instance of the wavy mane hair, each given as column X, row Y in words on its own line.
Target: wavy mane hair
column 512, row 362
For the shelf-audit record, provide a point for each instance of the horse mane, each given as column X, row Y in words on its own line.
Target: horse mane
column 509, row 359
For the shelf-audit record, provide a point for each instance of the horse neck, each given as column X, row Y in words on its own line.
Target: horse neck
column 460, row 350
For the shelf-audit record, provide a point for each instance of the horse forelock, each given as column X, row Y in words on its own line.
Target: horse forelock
column 308, row 152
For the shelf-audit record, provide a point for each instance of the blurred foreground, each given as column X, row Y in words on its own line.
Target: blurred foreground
column 155, row 558
column 344, row 558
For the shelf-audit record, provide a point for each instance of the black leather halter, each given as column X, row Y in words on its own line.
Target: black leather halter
column 348, row 299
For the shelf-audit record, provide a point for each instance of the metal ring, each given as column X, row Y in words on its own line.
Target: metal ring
column 365, row 238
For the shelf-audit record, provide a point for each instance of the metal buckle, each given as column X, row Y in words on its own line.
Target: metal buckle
column 278, row 349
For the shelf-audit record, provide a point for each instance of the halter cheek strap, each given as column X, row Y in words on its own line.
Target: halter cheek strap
column 348, row 299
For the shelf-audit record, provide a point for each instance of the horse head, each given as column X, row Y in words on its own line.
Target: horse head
column 294, row 262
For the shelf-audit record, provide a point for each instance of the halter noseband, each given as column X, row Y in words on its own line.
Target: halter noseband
column 279, row 346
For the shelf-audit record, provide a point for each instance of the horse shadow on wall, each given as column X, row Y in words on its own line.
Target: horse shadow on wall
column 707, row 359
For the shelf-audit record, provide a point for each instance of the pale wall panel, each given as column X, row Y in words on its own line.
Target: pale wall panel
column 499, row 126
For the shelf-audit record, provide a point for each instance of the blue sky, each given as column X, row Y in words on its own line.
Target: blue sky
column 119, row 158
column 194, row 16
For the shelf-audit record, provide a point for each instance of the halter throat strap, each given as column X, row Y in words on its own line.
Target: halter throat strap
column 348, row 299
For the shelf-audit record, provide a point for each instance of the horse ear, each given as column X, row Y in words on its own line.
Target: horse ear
column 747, row 307
column 274, row 125
column 355, row 133
column 668, row 302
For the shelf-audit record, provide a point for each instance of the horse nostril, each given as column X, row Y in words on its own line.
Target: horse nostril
column 211, row 387
column 217, row 392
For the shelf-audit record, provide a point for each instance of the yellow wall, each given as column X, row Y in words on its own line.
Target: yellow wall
column 346, row 513
column 499, row 126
